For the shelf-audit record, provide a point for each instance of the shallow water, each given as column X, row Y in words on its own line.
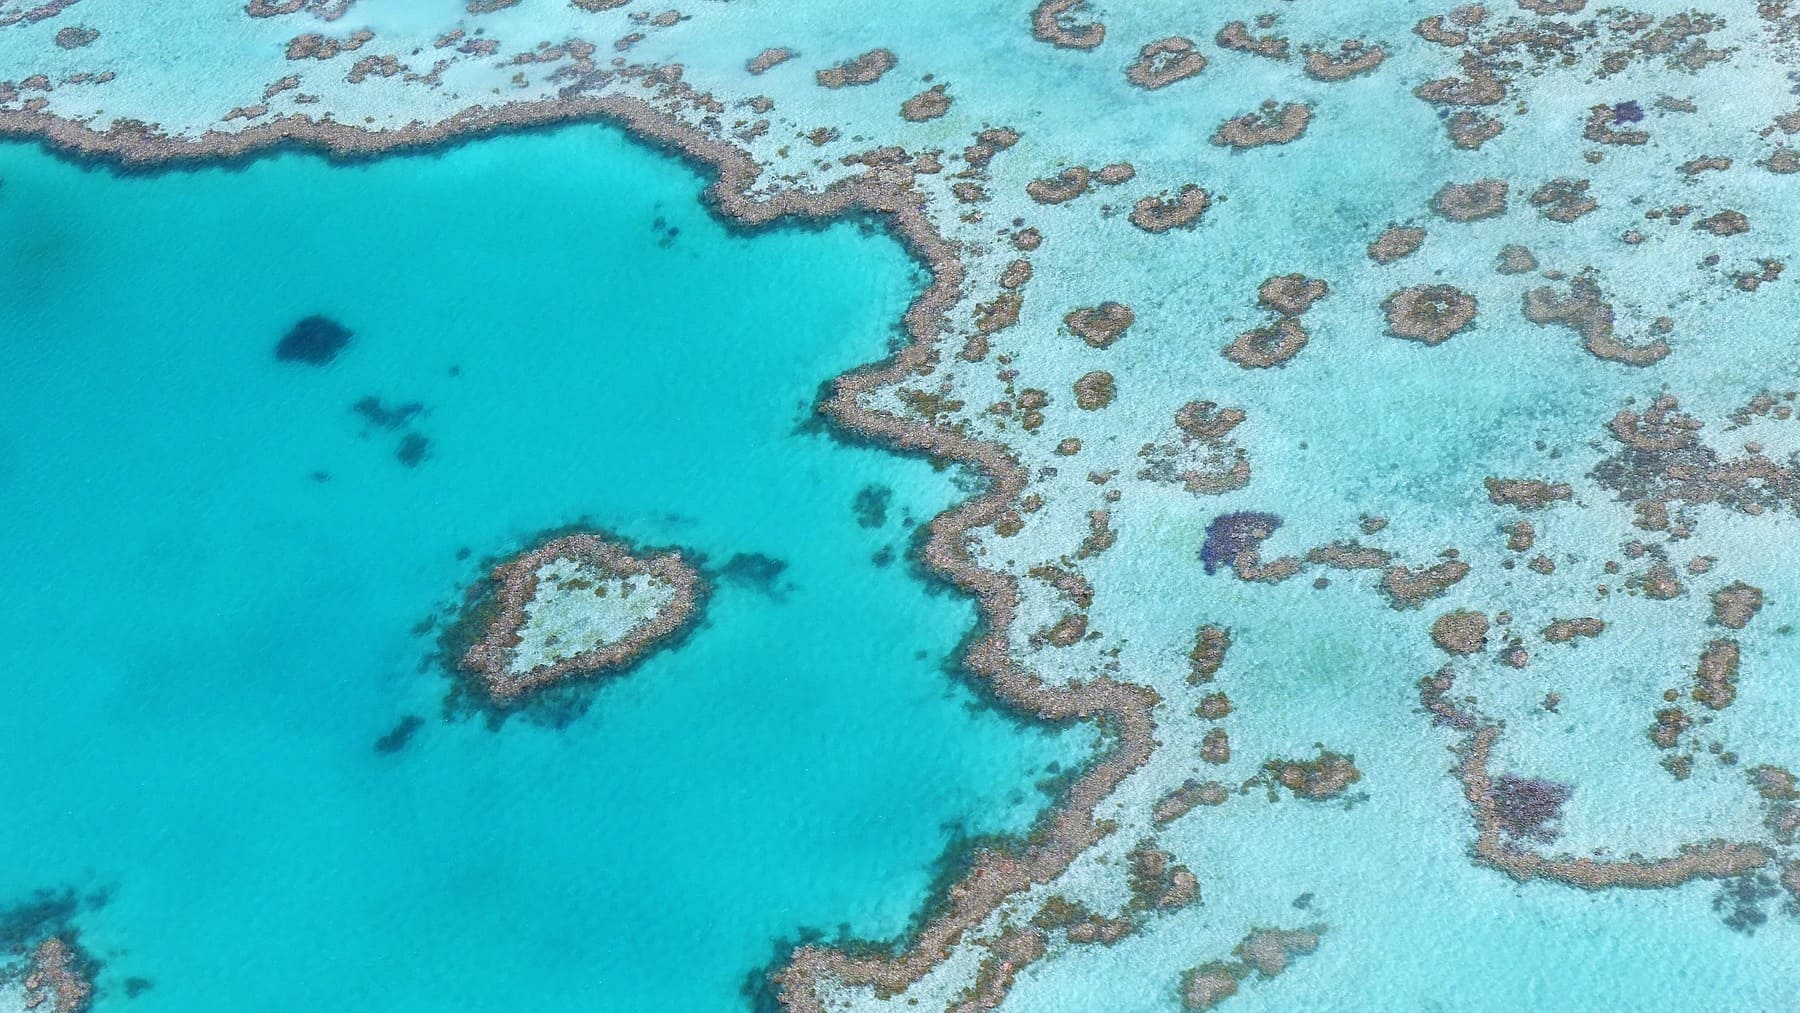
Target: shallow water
column 216, row 573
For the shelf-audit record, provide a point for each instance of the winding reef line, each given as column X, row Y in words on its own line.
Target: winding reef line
column 1064, row 830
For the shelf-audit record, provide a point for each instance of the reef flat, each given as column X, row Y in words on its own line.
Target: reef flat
column 1386, row 415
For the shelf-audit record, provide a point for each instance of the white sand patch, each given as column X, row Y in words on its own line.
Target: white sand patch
column 579, row 608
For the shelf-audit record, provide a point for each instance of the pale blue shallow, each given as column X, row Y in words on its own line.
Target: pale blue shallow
column 202, row 640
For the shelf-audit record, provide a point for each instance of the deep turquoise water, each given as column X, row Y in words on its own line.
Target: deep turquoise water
column 213, row 570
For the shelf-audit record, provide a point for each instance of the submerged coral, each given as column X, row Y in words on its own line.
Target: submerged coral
column 315, row 341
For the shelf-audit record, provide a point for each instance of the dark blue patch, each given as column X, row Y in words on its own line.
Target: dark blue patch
column 1230, row 534
column 315, row 341
column 1627, row 112
column 755, row 570
column 402, row 733
column 1742, row 902
column 871, row 505
column 376, row 413
column 412, row 449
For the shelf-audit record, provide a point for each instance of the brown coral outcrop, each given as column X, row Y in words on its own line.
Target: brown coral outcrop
column 865, row 69
column 1291, row 294
column 1526, row 493
column 75, row 37
column 1408, row 588
column 1211, row 644
column 1095, row 390
column 1715, row 678
column 1514, row 259
column 1206, row 421
column 1353, row 59
column 1396, row 242
column 1182, row 800
column 1158, row 883
column 1671, row 722
column 1157, row 214
column 1065, row 186
column 1215, row 746
column 1114, row 173
column 1725, row 223
column 1051, row 22
column 1100, row 326
column 1272, row 123
column 1264, row 953
column 1236, row 35
column 1428, row 313
column 1584, row 311
column 1470, row 202
column 1469, row 130
column 1476, row 87
column 1463, row 631
column 1263, row 347
column 1735, row 605
column 1319, row 779
column 1561, row 631
column 1564, row 200
column 1164, row 62
column 314, row 46
column 1775, row 783
column 768, row 59
column 926, row 105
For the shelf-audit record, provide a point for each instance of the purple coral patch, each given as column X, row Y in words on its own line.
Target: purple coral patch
column 1231, row 534
column 1527, row 806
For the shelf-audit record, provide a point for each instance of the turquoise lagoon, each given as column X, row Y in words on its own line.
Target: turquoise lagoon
column 216, row 575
